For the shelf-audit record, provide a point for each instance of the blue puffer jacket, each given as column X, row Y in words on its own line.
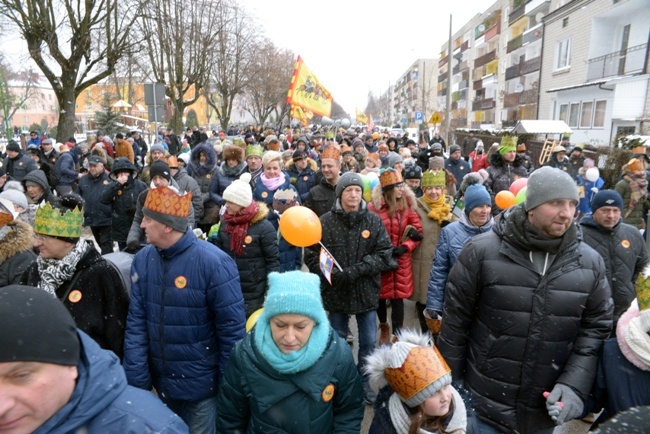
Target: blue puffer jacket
column 452, row 239
column 186, row 313
column 64, row 169
column 102, row 402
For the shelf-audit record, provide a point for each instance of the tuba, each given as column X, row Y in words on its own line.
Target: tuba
column 547, row 150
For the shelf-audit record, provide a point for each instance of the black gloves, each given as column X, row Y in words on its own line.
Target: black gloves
column 414, row 235
column 399, row 251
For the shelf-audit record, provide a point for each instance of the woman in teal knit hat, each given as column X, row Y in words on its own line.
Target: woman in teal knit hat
column 291, row 373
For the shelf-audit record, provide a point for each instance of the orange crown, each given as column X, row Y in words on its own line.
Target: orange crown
column 390, row 177
column 332, row 151
column 423, row 367
column 165, row 200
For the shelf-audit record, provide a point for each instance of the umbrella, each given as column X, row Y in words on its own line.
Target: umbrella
column 121, row 104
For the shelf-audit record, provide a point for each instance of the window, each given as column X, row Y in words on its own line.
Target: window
column 563, row 54
column 565, row 22
column 599, row 114
column 574, row 110
column 564, row 111
column 586, row 113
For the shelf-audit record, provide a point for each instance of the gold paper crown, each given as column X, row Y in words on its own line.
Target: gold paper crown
column 422, row 367
column 254, row 151
column 643, row 289
column 332, row 151
column 390, row 177
column 165, row 200
column 50, row 221
column 510, row 141
column 431, row 179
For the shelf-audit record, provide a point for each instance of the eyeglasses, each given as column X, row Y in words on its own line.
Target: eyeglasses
column 400, row 185
column 42, row 238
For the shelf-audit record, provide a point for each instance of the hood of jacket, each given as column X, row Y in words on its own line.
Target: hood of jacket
column 211, row 161
column 19, row 238
column 38, row 177
column 261, row 214
column 225, row 170
column 123, row 164
column 349, row 219
column 311, row 164
column 464, row 220
column 378, row 197
column 588, row 220
column 101, row 380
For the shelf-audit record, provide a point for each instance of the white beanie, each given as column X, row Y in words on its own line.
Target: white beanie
column 185, row 156
column 239, row 192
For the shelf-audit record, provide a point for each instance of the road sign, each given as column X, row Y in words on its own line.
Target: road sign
column 156, row 113
column 419, row 116
column 154, row 94
column 435, row 118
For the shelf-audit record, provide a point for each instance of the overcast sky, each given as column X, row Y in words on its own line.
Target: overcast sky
column 357, row 46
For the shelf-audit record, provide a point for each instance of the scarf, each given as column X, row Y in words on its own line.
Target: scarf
column 401, row 418
column 273, row 183
column 54, row 272
column 232, row 172
column 632, row 336
column 237, row 226
column 638, row 187
column 295, row 361
column 520, row 232
column 438, row 209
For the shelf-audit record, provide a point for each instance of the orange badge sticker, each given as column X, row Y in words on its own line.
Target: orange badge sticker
column 207, row 176
column 248, row 239
column 180, row 282
column 105, row 182
column 365, row 234
column 462, row 167
column 264, row 194
column 306, row 178
column 119, row 192
column 328, row 393
column 625, row 243
column 75, row 296
column 20, row 164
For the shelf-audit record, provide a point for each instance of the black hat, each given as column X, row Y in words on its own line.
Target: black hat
column 412, row 172
column 346, row 180
column 36, row 327
column 299, row 155
column 160, row 168
column 95, row 159
column 13, row 146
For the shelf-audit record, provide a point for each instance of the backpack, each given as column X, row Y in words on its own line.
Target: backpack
column 121, row 262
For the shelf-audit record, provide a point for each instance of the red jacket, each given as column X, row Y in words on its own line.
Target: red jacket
column 398, row 283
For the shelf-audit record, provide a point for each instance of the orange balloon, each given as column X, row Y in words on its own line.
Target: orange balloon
column 504, row 199
column 300, row 226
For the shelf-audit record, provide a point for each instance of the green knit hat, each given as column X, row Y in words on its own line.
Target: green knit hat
column 508, row 144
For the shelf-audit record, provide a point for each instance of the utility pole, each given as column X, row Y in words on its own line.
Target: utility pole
column 5, row 108
column 448, row 99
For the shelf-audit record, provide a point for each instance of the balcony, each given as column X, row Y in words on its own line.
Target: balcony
column 486, row 58
column 443, row 92
column 511, row 99
column 442, row 78
column 459, row 95
column 534, row 34
column 515, row 43
column 477, row 84
column 464, row 46
column 516, row 14
column 464, row 84
column 528, row 97
column 531, row 65
column 443, row 61
column 492, row 32
column 513, row 72
column 483, row 104
column 624, row 62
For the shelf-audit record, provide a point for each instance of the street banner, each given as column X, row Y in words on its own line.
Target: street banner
column 306, row 91
column 361, row 117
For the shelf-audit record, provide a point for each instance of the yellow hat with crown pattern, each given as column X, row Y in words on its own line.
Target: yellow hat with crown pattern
column 55, row 223
column 431, row 179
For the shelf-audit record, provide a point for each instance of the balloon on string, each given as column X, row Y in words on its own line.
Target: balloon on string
column 518, row 185
column 252, row 320
column 374, row 179
column 367, row 190
column 592, row 174
column 300, row 226
column 504, row 199
column 345, row 123
column 521, row 196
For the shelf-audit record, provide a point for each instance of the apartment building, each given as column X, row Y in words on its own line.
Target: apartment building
column 413, row 98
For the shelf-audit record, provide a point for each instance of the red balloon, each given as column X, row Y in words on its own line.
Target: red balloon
column 518, row 185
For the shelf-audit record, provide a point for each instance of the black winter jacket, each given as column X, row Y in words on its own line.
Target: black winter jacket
column 512, row 334
column 321, row 197
column 122, row 199
column 91, row 189
column 16, row 252
column 260, row 257
column 361, row 245
column 625, row 255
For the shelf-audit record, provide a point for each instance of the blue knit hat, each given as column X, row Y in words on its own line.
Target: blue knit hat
column 476, row 195
column 606, row 198
column 294, row 292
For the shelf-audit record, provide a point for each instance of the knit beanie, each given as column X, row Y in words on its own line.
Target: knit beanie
column 383, row 147
column 588, row 163
column 15, row 197
column 476, row 195
column 36, row 327
column 157, row 147
column 375, row 158
column 413, row 172
column 160, row 168
column 453, row 148
column 436, row 163
column 239, row 191
column 412, row 367
column 606, row 198
column 547, row 183
column 294, row 292
column 394, row 158
column 346, row 180
column 165, row 205
column 185, row 157
column 508, row 144
column 13, row 146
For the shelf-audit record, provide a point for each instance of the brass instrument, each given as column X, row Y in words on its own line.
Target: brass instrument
column 547, row 150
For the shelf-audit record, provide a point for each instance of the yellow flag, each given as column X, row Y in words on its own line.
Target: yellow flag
column 361, row 117
column 306, row 91
column 301, row 114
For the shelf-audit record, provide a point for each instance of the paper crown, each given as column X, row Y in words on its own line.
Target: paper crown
column 166, row 201
column 390, row 177
column 332, row 151
column 509, row 141
column 7, row 212
column 423, row 370
column 50, row 221
column 643, row 289
column 431, row 179
column 254, row 151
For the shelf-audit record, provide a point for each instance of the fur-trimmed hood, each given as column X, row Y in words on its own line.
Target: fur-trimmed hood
column 378, row 198
column 19, row 238
column 262, row 213
column 311, row 164
column 210, row 164
column 497, row 160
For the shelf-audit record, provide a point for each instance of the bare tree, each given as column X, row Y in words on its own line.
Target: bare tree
column 271, row 75
column 233, row 55
column 75, row 44
column 12, row 100
column 180, row 36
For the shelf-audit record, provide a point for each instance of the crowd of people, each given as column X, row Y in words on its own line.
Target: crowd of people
column 527, row 317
